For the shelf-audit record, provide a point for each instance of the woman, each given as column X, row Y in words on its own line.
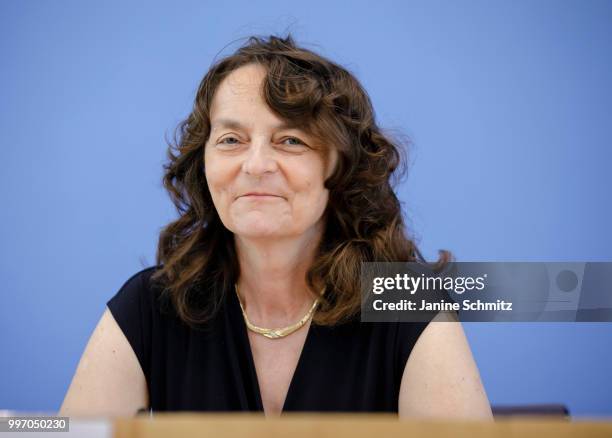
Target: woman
column 282, row 181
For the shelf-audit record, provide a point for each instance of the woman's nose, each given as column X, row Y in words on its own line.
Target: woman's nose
column 259, row 159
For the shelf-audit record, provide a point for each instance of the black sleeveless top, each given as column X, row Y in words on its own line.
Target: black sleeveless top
column 351, row 367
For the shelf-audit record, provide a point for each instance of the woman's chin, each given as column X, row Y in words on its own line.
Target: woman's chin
column 257, row 231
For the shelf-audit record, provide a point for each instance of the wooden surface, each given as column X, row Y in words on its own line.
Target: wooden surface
column 294, row 425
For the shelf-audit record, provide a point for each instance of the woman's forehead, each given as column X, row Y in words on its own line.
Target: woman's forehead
column 243, row 83
column 238, row 103
column 220, row 123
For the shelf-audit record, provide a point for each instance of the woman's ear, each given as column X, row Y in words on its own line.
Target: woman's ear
column 331, row 162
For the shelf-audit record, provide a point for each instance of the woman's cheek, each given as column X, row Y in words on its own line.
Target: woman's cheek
column 216, row 174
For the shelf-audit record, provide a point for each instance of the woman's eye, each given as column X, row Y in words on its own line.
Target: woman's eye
column 298, row 141
column 222, row 141
column 233, row 141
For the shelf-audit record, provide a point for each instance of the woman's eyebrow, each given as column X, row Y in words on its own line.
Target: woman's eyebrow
column 235, row 124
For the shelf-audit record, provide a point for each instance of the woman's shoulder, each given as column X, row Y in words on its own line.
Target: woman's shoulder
column 139, row 299
column 136, row 279
column 141, row 279
column 133, row 308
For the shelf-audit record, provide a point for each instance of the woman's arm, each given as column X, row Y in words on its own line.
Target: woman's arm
column 441, row 379
column 109, row 380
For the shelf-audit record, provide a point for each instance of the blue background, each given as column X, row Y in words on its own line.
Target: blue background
column 508, row 104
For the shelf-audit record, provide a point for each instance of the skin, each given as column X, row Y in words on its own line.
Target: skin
column 108, row 381
column 441, row 379
column 276, row 238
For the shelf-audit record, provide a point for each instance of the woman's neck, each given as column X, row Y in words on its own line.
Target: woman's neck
column 272, row 283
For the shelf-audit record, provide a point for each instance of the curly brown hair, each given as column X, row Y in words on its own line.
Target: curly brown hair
column 196, row 255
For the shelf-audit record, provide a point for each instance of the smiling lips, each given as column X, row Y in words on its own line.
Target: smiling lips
column 258, row 195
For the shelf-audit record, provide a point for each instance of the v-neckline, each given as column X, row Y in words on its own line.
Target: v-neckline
column 253, row 369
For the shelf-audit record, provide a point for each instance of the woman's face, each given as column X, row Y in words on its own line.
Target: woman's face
column 249, row 152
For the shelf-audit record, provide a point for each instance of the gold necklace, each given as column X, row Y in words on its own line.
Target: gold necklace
column 275, row 333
